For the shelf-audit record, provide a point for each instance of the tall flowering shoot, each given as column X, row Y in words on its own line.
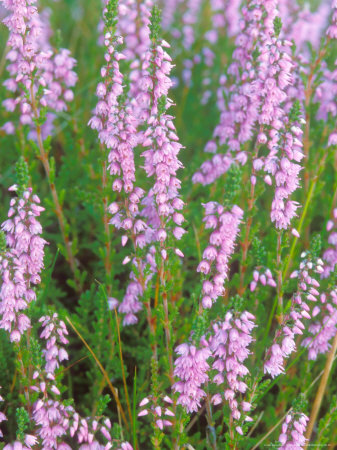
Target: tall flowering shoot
column 116, row 126
column 21, row 261
column 161, row 158
column 40, row 80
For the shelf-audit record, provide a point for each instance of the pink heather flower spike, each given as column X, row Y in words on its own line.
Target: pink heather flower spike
column 229, row 344
column 330, row 254
column 21, row 263
column 227, row 348
column 116, row 125
column 284, row 341
column 324, row 328
column 293, row 430
column 332, row 30
column 216, row 257
column 191, row 368
column 54, row 332
column 131, row 304
column 257, row 94
column 238, row 116
column 50, row 415
column 33, row 63
column 161, row 157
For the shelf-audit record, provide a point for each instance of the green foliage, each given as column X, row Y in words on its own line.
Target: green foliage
column 22, row 174
column 103, row 402
column 162, row 105
column 259, row 252
column 3, row 243
column 277, row 26
column 111, row 16
column 155, row 27
column 232, row 185
column 295, row 113
column 22, row 418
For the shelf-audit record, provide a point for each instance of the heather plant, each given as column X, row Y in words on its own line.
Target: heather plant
column 168, row 246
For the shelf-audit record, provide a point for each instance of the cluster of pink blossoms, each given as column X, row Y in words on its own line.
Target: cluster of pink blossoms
column 133, row 27
column 293, row 429
column 216, row 257
column 49, row 414
column 281, row 137
column 191, row 368
column 119, row 117
column 264, row 278
column 227, row 348
column 239, row 113
column 256, row 108
column 330, row 254
column 54, row 420
column 54, row 332
column 324, row 328
column 21, row 263
column 131, row 304
column 29, row 441
column 302, row 25
column 33, row 64
column 332, row 30
column 292, row 325
column 117, row 130
column 229, row 344
column 161, row 414
column 161, row 157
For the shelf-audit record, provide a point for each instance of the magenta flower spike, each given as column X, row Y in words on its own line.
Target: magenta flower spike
column 34, row 65
column 294, row 322
column 21, row 263
column 216, row 257
column 293, row 429
column 191, row 368
column 161, row 157
column 229, row 344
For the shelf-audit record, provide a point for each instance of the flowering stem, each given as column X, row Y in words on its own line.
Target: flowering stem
column 245, row 244
column 169, row 348
column 272, row 429
column 58, row 207
column 321, row 390
column 303, row 216
column 107, row 258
